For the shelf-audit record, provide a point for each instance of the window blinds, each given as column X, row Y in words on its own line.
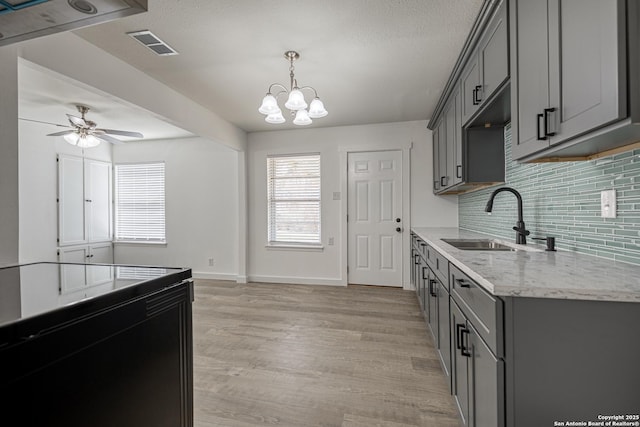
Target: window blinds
column 294, row 199
column 140, row 202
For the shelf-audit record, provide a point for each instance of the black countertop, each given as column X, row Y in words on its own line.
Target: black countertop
column 30, row 291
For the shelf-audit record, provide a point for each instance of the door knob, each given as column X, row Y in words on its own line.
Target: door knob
column 398, row 229
column 398, row 220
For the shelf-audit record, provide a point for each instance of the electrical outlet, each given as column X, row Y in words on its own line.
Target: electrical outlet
column 210, row 262
column 608, row 203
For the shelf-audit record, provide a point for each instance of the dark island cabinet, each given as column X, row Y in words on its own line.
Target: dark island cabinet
column 123, row 358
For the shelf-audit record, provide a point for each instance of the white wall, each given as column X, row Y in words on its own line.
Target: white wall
column 201, row 180
column 326, row 267
column 38, row 175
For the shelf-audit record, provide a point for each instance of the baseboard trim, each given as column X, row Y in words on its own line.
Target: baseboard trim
column 214, row 276
column 297, row 280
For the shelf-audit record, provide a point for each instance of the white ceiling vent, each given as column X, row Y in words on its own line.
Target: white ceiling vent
column 151, row 41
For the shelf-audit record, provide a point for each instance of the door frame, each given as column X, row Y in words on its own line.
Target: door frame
column 343, row 152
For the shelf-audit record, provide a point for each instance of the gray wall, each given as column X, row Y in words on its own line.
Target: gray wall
column 563, row 200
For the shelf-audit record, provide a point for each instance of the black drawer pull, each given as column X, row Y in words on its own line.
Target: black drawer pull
column 463, row 283
column 477, row 99
column 432, row 291
column 458, row 335
column 416, row 260
column 539, row 137
column 459, row 171
column 464, row 348
column 546, row 122
column 424, row 271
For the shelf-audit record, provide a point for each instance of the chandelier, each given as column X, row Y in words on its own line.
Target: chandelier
column 295, row 102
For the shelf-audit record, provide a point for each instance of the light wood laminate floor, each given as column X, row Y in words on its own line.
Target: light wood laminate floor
column 301, row 355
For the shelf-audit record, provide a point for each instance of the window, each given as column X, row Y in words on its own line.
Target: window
column 139, row 211
column 294, row 199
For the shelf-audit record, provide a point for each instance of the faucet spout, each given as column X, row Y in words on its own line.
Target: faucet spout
column 521, row 231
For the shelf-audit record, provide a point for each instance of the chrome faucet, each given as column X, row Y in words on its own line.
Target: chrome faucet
column 521, row 232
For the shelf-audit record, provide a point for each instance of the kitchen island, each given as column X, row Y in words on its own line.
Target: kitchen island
column 530, row 337
column 99, row 345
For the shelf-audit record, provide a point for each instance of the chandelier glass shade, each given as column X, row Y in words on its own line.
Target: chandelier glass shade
column 295, row 100
column 82, row 139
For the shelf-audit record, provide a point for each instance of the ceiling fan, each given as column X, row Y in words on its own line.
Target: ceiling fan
column 84, row 133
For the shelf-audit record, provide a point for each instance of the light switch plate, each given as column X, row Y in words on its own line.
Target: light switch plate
column 608, row 203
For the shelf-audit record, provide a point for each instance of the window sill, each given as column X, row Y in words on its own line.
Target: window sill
column 294, row 247
column 138, row 243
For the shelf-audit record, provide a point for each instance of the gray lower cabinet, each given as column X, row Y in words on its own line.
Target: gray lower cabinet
column 528, row 362
column 477, row 372
column 568, row 74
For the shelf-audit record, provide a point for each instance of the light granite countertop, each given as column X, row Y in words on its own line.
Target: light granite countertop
column 534, row 272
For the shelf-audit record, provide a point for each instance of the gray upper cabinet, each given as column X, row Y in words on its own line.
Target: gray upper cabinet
column 488, row 68
column 568, row 70
column 475, row 87
column 470, row 87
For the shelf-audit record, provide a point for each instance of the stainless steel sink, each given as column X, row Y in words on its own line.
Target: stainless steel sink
column 478, row 245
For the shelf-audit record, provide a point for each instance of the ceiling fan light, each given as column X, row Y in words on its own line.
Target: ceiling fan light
column 88, row 141
column 72, row 138
column 316, row 109
column 275, row 118
column 269, row 105
column 296, row 100
column 302, row 118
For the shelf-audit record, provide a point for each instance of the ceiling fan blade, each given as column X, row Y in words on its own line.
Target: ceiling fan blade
column 77, row 121
column 107, row 138
column 64, row 132
column 121, row 133
column 44, row 123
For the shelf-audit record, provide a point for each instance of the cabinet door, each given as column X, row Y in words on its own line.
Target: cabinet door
column 71, row 201
column 494, row 54
column 101, row 253
column 458, row 169
column 73, row 277
column 442, row 155
column 452, row 134
column 98, row 195
column 436, row 158
column 432, row 295
column 586, row 77
column 460, row 363
column 444, row 329
column 469, row 88
column 530, row 75
column 486, row 384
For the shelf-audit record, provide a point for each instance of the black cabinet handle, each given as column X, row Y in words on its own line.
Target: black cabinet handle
column 443, row 181
column 546, row 121
column 540, row 137
column 476, row 99
column 463, row 283
column 459, row 335
column 416, row 260
column 432, row 291
column 459, row 171
column 464, row 348
column 424, row 270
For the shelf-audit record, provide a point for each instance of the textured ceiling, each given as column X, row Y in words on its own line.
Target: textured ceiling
column 371, row 61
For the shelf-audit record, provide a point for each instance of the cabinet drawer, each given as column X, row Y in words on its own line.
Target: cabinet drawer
column 484, row 311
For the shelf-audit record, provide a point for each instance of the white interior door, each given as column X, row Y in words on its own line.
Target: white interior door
column 374, row 201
